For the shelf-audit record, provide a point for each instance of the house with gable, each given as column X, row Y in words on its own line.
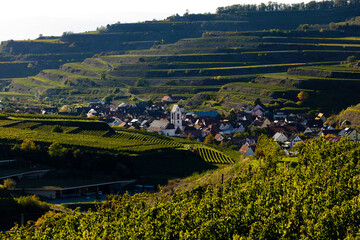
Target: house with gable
column 248, row 150
column 280, row 137
column 226, row 127
column 114, row 122
column 92, row 113
column 351, row 133
column 219, row 137
column 308, row 131
column 292, row 140
column 239, row 128
column 258, row 110
column 167, row 99
column 247, row 108
column 163, row 127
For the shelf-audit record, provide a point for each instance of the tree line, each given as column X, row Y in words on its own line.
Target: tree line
column 274, row 6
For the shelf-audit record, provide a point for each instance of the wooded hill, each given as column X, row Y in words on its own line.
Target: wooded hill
column 192, row 56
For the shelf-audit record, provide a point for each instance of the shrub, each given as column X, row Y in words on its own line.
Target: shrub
column 9, row 184
column 57, row 129
column 31, row 203
column 351, row 59
column 28, row 145
column 57, row 151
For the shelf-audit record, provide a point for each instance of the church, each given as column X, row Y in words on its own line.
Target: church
column 172, row 128
column 176, row 116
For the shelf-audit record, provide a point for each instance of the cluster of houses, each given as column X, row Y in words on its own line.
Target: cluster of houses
column 241, row 128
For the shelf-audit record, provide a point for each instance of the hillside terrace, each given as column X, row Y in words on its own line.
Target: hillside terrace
column 241, row 126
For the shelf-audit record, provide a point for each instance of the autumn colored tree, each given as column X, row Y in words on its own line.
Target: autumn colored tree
column 303, row 96
column 8, row 184
column 28, row 146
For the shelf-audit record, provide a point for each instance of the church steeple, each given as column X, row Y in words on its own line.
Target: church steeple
column 176, row 117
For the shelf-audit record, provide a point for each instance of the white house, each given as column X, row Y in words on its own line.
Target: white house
column 123, row 105
column 280, row 137
column 115, row 123
column 91, row 113
column 293, row 140
column 163, row 127
column 308, row 130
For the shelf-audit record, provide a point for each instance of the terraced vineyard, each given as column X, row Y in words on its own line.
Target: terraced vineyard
column 98, row 133
column 7, row 122
column 330, row 87
column 123, row 134
column 49, row 128
column 211, row 155
column 185, row 56
column 93, row 135
column 10, row 134
column 193, row 66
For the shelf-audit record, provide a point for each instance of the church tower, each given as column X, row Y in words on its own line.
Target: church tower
column 176, row 116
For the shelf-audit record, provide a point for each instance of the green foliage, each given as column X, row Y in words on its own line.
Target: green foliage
column 190, row 137
column 257, row 101
column 232, row 115
column 258, row 132
column 209, row 139
column 8, row 184
column 351, row 59
column 57, row 129
column 108, row 98
column 241, row 134
column 57, row 151
column 9, row 110
column 317, row 199
column 31, row 202
column 268, row 153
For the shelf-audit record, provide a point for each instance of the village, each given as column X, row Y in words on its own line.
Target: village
column 238, row 130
